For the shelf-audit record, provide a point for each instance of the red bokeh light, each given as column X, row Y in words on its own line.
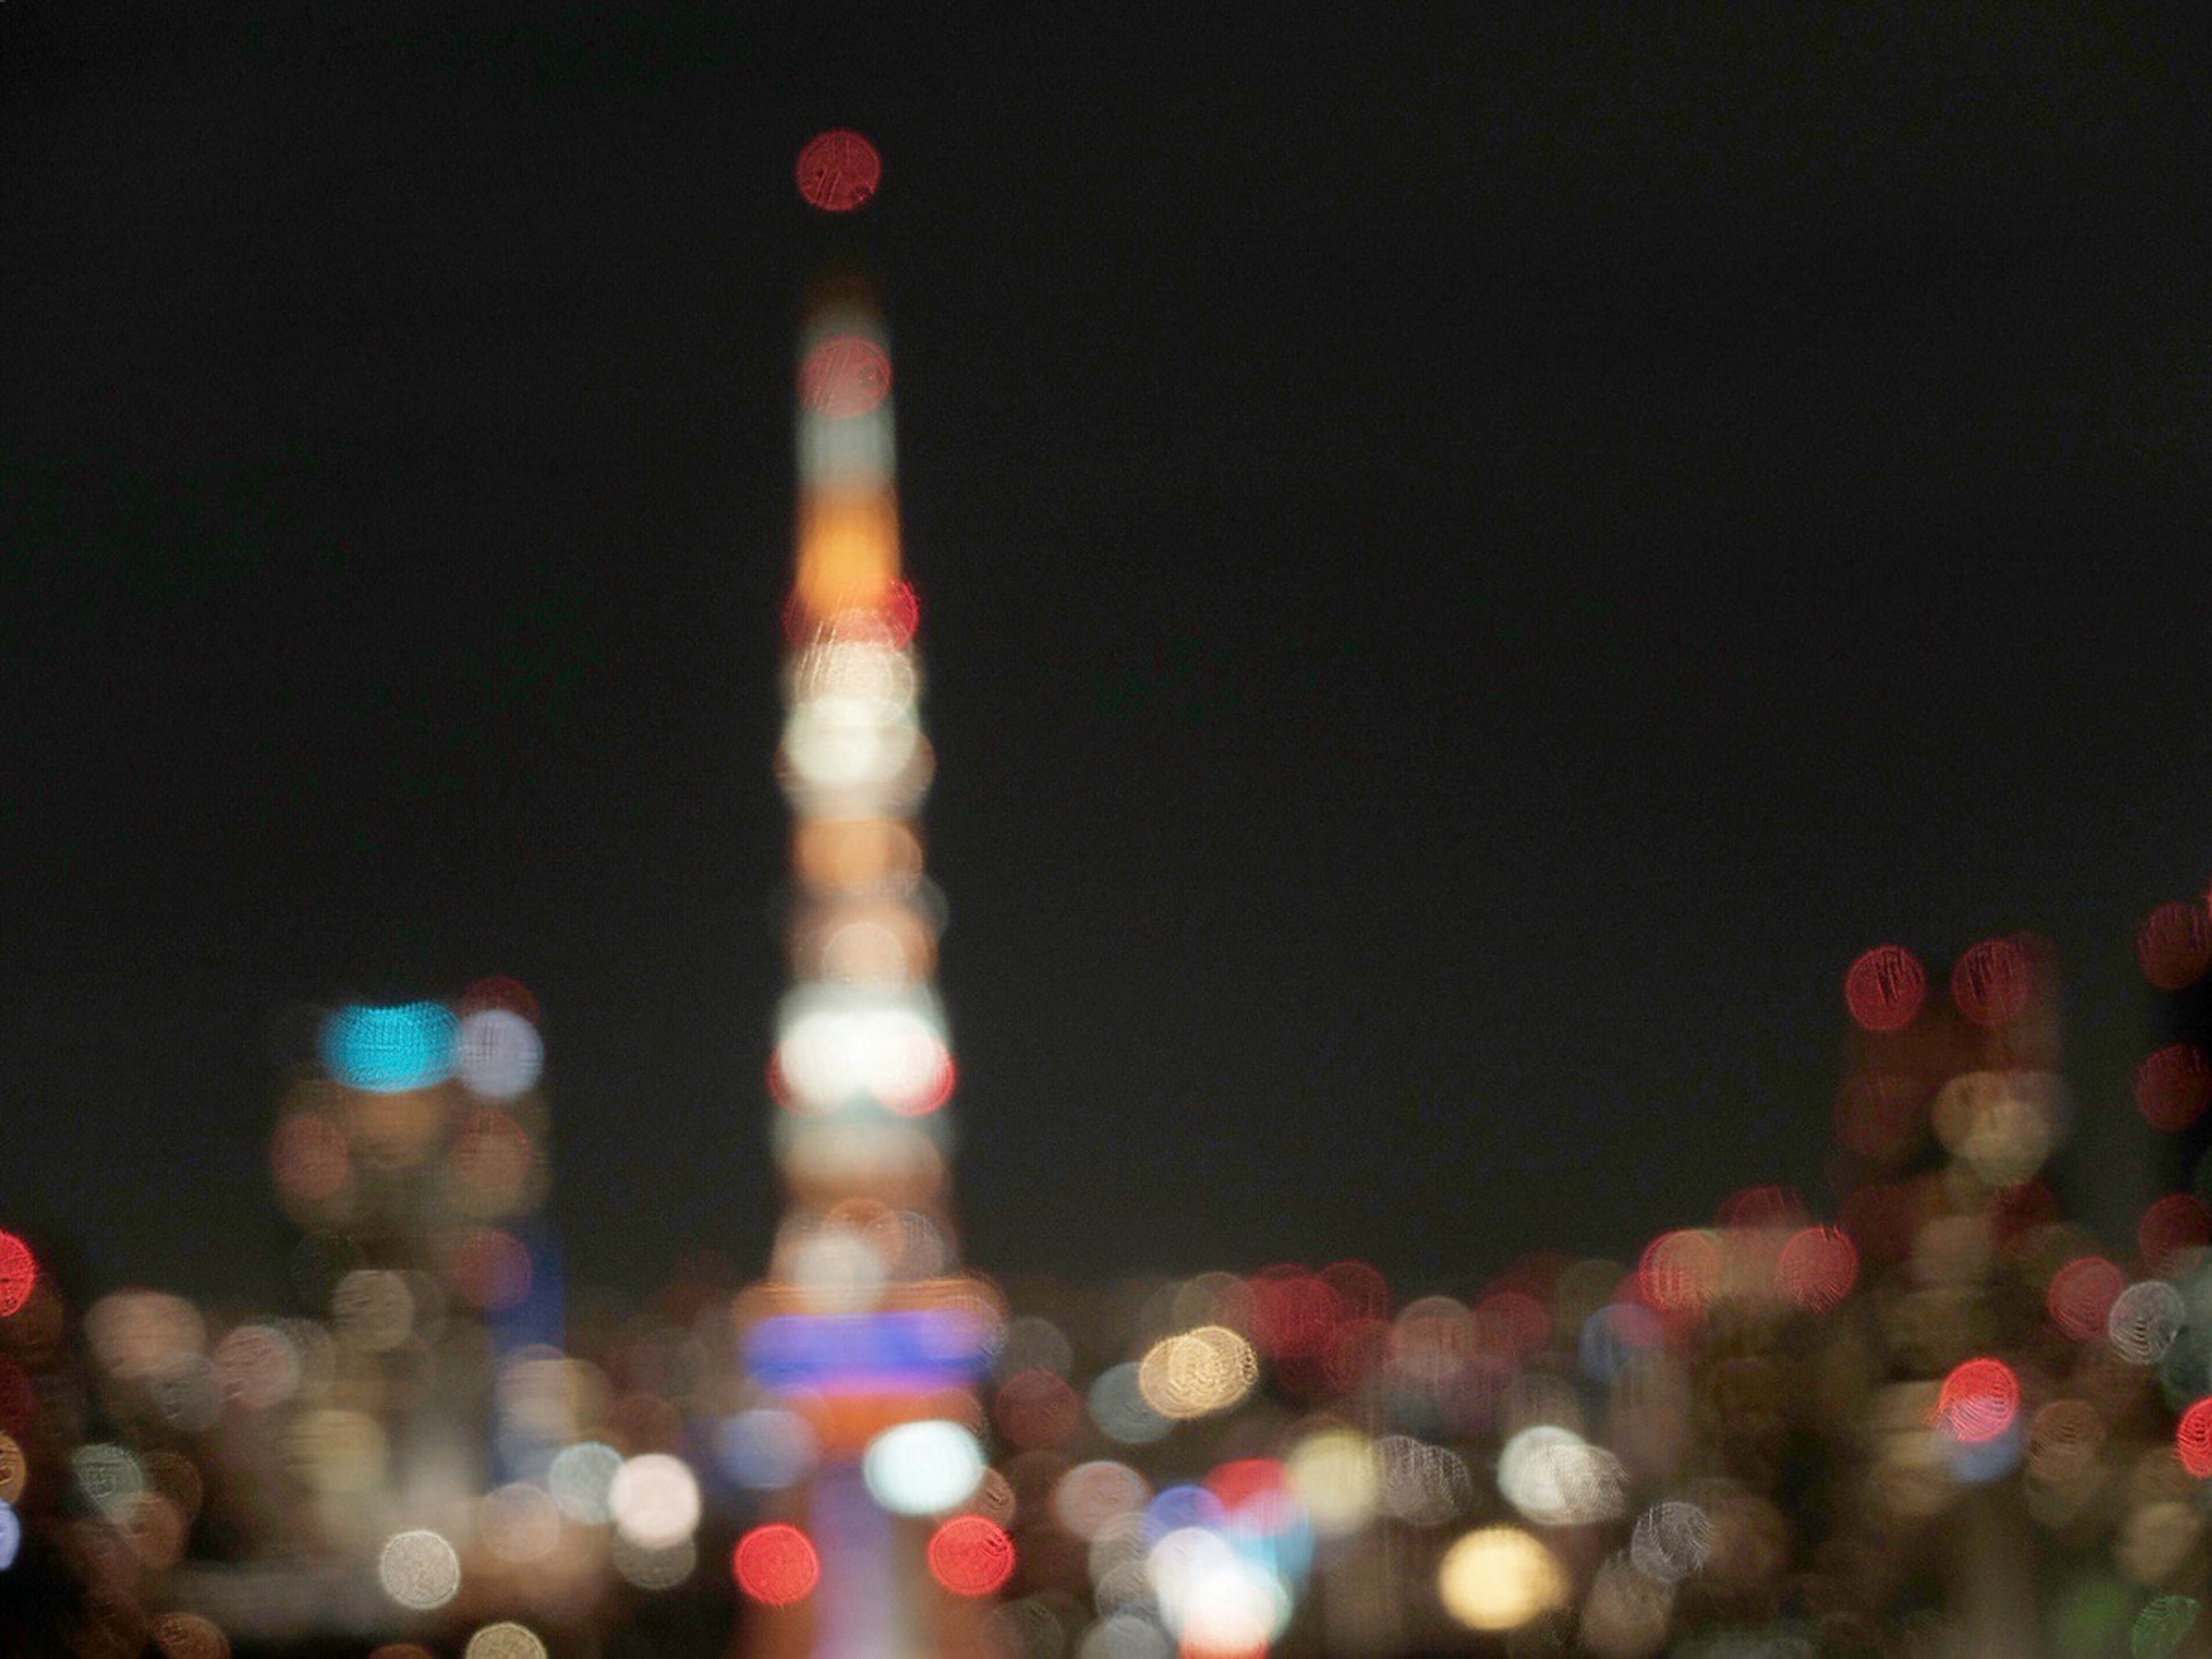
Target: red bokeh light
column 2174, row 944
column 498, row 991
column 1522, row 1320
column 1361, row 1291
column 19, row 1271
column 970, row 1556
column 1360, row 1345
column 2192, row 1439
column 892, row 622
column 843, row 376
column 2081, row 1294
column 1885, row 987
column 491, row 1269
column 1978, row 1401
column 2017, row 1211
column 925, row 1100
column 2173, row 1086
column 2176, row 1223
column 1243, row 1479
column 1036, row 1409
column 776, row 1564
column 1990, row 982
column 1817, row 1267
column 1294, row 1313
column 838, row 170
column 1878, row 1115
column 18, row 1401
column 1763, row 1206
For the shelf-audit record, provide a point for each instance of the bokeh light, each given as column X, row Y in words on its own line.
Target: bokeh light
column 776, row 1564
column 2173, row 1086
column 653, row 1500
column 188, row 1636
column 2192, row 1439
column 1499, row 1578
column 419, row 1570
column 1991, row 982
column 504, row 1640
column 969, row 1555
column 1884, row 988
column 1198, row 1372
column 1978, row 1401
column 2080, row 1296
column 2144, row 1320
column 498, row 1053
column 580, row 1478
column 1673, row 1540
column 2173, row 944
column 18, row 1272
column 922, row 1468
column 1817, row 1267
column 838, row 171
column 844, row 375
column 388, row 1049
column 1556, row 1478
column 2171, row 1227
column 15, row 1470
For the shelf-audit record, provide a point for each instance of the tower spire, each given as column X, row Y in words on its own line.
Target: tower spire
column 864, row 1325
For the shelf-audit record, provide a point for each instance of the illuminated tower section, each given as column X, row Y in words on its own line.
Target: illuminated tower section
column 863, row 1323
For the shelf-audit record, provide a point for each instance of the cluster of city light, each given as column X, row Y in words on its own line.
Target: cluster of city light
column 1598, row 1455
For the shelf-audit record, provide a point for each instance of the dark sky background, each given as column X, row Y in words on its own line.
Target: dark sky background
column 1472, row 558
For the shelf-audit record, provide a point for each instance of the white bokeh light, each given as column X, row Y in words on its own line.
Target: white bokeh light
column 922, row 1468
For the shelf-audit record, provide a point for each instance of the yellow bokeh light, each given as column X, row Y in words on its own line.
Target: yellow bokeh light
column 1497, row 1578
column 1200, row 1371
column 1337, row 1476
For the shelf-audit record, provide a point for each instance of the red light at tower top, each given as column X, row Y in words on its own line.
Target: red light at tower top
column 838, row 171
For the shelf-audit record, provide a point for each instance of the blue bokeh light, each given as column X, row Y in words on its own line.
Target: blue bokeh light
column 383, row 1050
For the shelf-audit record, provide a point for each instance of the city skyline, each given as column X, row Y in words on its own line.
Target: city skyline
column 1446, row 641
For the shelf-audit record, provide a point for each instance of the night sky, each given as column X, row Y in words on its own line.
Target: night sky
column 1471, row 558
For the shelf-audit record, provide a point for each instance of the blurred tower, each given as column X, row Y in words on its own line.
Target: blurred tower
column 863, row 1322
